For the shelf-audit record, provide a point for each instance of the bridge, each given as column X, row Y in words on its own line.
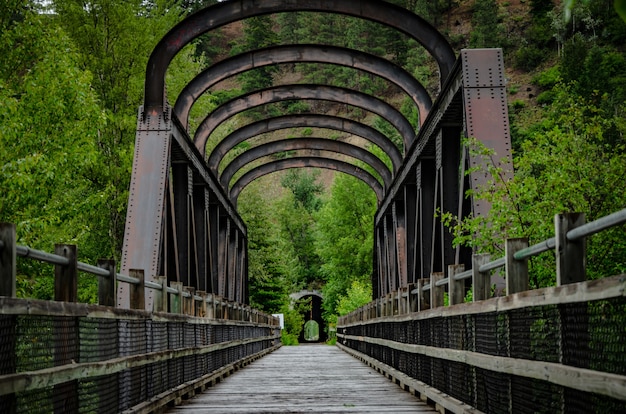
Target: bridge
column 174, row 320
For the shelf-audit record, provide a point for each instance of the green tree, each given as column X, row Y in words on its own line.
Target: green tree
column 268, row 284
column 49, row 120
column 297, row 222
column 258, row 33
column 570, row 162
column 114, row 40
column 344, row 238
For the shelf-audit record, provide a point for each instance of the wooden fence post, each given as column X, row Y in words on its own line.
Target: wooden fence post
column 176, row 298
column 481, row 282
column 65, row 396
column 571, row 257
column 106, row 285
column 436, row 292
column 423, row 299
column 7, row 260
column 137, row 292
column 202, row 309
column 160, row 300
column 456, row 288
column 66, row 277
column 516, row 270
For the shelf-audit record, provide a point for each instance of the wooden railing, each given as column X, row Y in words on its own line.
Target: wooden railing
column 62, row 356
column 556, row 349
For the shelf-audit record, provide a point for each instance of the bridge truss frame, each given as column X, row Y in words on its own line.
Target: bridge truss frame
column 182, row 220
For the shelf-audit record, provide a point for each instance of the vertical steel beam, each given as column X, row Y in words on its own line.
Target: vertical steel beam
column 399, row 225
column 233, row 243
column 410, row 213
column 182, row 187
column 451, row 180
column 486, row 112
column 425, row 179
column 390, row 243
column 214, row 236
column 146, row 202
column 201, row 217
column 222, row 257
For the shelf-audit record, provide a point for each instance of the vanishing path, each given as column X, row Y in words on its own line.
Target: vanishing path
column 305, row 378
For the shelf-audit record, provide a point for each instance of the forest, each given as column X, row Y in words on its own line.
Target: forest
column 71, row 83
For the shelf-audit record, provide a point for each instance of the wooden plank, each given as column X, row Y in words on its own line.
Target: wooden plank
column 587, row 380
column 311, row 378
column 591, row 290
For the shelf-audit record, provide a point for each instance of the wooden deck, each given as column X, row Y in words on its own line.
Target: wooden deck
column 305, row 378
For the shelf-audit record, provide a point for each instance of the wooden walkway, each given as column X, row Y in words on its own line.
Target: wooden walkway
column 305, row 378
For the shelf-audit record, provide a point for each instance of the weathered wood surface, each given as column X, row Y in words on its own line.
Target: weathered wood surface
column 305, row 378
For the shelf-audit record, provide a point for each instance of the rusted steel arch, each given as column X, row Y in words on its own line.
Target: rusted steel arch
column 234, row 10
column 292, row 144
column 295, row 92
column 308, row 120
column 301, row 53
column 305, row 162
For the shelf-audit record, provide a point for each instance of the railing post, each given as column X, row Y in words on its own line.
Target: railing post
column 436, row 292
column 65, row 396
column 189, row 303
column 423, row 299
column 160, row 299
column 456, row 288
column 7, row 260
column 66, row 277
column 8, row 361
column 211, row 309
column 516, row 270
column 176, row 298
column 137, row 292
column 106, row 285
column 202, row 310
column 481, row 282
column 571, row 258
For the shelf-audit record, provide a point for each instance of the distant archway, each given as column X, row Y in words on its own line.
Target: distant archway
column 313, row 321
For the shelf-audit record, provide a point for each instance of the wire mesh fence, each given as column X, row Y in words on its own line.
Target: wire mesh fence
column 93, row 359
column 586, row 338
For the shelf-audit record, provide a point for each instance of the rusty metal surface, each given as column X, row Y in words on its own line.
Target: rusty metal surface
column 298, row 54
column 144, row 217
column 298, row 92
column 486, row 112
column 230, row 11
column 290, row 144
column 303, row 162
column 309, row 120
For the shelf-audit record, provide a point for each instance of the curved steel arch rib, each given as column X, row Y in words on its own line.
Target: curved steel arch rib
column 305, row 143
column 292, row 92
column 234, row 10
column 309, row 120
column 303, row 162
column 301, row 53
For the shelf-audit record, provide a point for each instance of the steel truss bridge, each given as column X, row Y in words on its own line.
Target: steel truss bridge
column 177, row 320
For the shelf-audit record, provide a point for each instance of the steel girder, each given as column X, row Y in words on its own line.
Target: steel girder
column 231, row 11
column 309, row 120
column 433, row 176
column 302, row 162
column 297, row 92
column 177, row 216
column 297, row 54
column 308, row 143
